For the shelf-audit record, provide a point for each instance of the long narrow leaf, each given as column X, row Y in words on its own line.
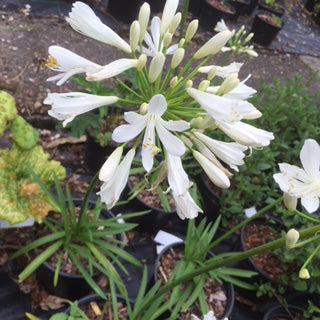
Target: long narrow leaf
column 41, row 258
column 38, row 243
column 86, row 275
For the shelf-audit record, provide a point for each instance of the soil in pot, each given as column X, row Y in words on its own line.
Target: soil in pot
column 157, row 218
column 265, row 28
column 215, row 291
column 213, row 11
column 268, row 263
column 276, row 9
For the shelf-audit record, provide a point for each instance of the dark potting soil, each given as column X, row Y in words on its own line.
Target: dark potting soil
column 220, row 5
column 213, row 290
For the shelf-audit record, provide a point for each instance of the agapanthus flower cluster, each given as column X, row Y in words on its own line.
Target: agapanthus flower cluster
column 172, row 111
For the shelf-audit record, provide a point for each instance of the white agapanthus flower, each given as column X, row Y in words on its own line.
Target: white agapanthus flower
column 303, row 183
column 223, row 72
column 68, row 64
column 179, row 184
column 231, row 153
column 152, row 122
column 115, row 180
column 221, row 108
column 83, row 19
column 170, row 115
column 66, row 106
column 220, row 26
column 154, row 41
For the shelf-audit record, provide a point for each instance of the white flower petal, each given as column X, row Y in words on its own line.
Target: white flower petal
column 83, row 19
column 179, row 125
column 112, row 69
column 310, row 157
column 186, row 206
column 311, row 203
column 169, row 11
column 157, row 105
column 110, row 165
column 127, row 132
column 177, row 177
column 171, row 143
column 66, row 106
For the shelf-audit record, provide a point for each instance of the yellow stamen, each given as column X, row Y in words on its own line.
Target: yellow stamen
column 51, row 62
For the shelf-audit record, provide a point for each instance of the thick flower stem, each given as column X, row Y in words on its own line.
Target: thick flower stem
column 183, row 18
column 238, row 226
column 214, row 264
column 307, row 217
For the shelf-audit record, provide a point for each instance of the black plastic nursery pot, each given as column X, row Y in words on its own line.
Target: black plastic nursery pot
column 240, row 7
column 279, row 312
column 211, row 199
column 124, row 10
column 227, row 287
column 264, row 31
column 212, row 11
column 278, row 11
column 195, row 7
column 71, row 286
column 310, row 4
column 250, row 7
column 86, row 300
column 95, row 155
column 156, row 5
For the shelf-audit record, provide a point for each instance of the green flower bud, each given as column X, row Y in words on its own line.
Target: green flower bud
column 191, row 30
column 156, row 66
column 204, row 84
column 134, row 35
column 177, row 57
column 292, row 238
column 304, row 274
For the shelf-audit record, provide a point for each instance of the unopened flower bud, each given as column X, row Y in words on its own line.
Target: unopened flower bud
column 191, row 30
column 156, row 66
column 189, row 84
column 141, row 62
column 177, row 57
column 175, row 23
column 110, row 165
column 173, row 82
column 144, row 15
column 254, row 114
column 289, row 201
column 204, row 84
column 181, row 42
column 144, row 108
column 134, row 35
column 304, row 274
column 212, row 73
column 214, row 45
column 228, row 84
column 292, row 238
column 167, row 39
column 217, row 176
column 251, row 53
column 248, row 37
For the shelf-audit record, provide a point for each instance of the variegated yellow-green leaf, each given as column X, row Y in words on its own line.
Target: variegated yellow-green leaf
column 23, row 134
column 21, row 197
column 8, row 110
